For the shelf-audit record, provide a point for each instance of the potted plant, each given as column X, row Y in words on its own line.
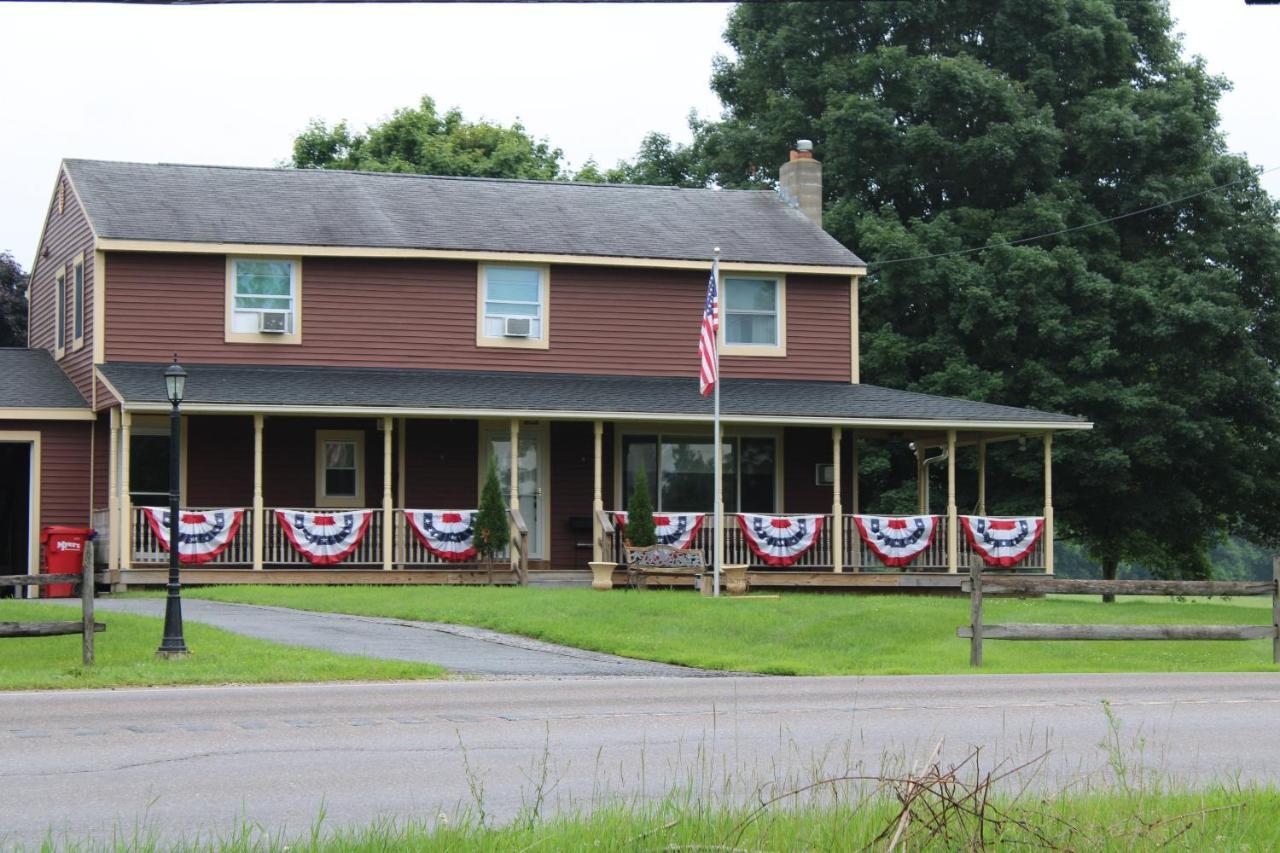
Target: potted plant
column 492, row 527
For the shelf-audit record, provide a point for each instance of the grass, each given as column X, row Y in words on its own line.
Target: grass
column 125, row 655
column 800, row 633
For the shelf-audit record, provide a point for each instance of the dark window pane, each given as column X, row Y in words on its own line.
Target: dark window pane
column 758, row 475
column 639, row 452
column 340, row 483
column 149, row 469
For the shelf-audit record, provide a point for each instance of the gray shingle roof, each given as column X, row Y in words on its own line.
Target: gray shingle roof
column 31, row 379
column 553, row 392
column 216, row 204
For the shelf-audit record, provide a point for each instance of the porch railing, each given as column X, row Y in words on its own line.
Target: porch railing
column 146, row 548
column 519, row 551
column 859, row 558
column 736, row 549
column 277, row 550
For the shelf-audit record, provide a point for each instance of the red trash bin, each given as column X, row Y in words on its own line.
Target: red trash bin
column 63, row 554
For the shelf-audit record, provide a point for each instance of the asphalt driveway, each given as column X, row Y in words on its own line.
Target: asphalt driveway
column 460, row 649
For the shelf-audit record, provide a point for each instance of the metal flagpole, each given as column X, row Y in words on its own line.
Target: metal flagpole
column 718, row 556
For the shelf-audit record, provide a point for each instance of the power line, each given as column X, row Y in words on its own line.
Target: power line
column 1109, row 219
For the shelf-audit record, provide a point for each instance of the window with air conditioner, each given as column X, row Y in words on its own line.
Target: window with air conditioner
column 263, row 296
column 513, row 306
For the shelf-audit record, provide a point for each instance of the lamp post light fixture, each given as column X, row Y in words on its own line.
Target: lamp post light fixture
column 173, row 645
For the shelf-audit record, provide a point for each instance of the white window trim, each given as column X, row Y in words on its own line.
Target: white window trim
column 340, row 501
column 543, row 342
column 60, row 312
column 232, row 337
column 77, row 341
column 769, row 350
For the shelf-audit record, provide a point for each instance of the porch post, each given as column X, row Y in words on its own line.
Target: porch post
column 113, row 490
column 953, row 517
column 597, row 493
column 388, row 510
column 837, row 511
column 982, row 477
column 920, row 475
column 126, row 511
column 401, row 545
column 1048, row 503
column 259, row 514
column 856, row 462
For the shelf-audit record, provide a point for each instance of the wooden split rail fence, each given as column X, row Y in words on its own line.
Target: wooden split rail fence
column 978, row 585
column 85, row 625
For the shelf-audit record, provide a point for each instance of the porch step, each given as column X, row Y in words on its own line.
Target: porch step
column 557, row 578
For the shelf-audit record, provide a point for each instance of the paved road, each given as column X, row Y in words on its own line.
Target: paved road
column 460, row 649
column 200, row 759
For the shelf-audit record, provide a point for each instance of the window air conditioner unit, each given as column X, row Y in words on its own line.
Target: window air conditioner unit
column 517, row 327
column 273, row 322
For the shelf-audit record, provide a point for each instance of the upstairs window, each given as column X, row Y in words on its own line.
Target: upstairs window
column 513, row 306
column 263, row 295
column 752, row 312
column 60, row 313
column 77, row 326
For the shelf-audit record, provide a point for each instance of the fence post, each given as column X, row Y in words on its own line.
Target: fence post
column 1275, row 609
column 86, row 603
column 975, row 610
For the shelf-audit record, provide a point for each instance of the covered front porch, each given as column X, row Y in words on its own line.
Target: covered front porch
column 566, row 474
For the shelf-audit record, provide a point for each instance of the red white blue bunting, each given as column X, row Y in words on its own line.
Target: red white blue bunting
column 202, row 534
column 780, row 540
column 324, row 538
column 1002, row 541
column 450, row 534
column 676, row 529
column 897, row 540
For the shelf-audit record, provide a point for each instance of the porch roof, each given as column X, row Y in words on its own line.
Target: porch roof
column 347, row 390
column 31, row 379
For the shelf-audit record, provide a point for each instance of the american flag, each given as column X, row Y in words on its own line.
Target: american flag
column 709, row 373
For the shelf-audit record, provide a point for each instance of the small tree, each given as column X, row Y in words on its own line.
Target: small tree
column 492, row 528
column 640, row 532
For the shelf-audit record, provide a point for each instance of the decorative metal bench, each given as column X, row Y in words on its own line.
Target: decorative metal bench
column 662, row 561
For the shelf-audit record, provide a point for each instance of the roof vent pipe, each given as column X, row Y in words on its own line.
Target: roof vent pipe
column 800, row 181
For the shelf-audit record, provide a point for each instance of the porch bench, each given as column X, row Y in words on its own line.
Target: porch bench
column 662, row 561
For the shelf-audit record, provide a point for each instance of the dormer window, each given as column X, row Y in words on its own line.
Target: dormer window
column 264, row 296
column 513, row 306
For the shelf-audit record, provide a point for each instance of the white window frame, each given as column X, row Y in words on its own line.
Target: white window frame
column 323, row 498
column 543, row 341
column 779, row 347
column 293, row 337
column 60, row 312
column 663, row 430
column 78, row 314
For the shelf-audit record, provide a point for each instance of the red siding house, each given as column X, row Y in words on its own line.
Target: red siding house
column 360, row 344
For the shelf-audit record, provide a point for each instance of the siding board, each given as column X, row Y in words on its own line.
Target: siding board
column 64, row 469
column 422, row 314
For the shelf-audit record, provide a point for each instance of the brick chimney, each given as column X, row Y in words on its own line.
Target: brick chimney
column 800, row 181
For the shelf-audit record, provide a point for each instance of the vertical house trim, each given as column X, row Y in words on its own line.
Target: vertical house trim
column 855, row 370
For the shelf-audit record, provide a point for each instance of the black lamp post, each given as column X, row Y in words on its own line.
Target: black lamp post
column 173, row 644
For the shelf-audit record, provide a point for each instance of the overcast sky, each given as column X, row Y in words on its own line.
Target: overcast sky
column 233, row 85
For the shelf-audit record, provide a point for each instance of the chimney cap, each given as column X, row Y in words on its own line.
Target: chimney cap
column 804, row 144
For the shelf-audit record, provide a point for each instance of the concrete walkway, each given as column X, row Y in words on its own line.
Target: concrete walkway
column 460, row 649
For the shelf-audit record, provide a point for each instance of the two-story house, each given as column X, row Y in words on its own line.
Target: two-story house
column 360, row 344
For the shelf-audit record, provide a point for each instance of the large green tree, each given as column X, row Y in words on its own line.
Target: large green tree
column 949, row 126
column 421, row 140
column 13, row 302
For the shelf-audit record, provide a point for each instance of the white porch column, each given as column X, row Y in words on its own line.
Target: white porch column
column 837, row 511
column 388, row 508
column 126, row 510
column 597, row 493
column 1048, row 503
column 855, row 500
column 953, row 517
column 259, row 514
column 402, row 546
column 921, row 472
column 982, row 477
column 113, row 491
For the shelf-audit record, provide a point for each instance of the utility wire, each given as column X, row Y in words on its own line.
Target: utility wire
column 1074, row 227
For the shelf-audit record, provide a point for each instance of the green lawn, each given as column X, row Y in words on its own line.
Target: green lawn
column 126, row 656
column 798, row 634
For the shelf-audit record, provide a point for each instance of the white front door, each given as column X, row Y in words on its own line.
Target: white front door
column 531, row 469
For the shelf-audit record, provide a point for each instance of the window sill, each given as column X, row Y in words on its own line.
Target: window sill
column 755, row 350
column 513, row 343
column 261, row 338
column 77, row 345
column 59, row 354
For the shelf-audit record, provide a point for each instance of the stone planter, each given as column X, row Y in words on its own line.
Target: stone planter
column 602, row 575
column 734, row 578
